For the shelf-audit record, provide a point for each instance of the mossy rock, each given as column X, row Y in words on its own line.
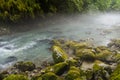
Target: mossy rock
column 77, row 45
column 25, row 66
column 58, row 68
column 50, row 76
column 117, row 58
column 16, row 77
column 116, row 74
column 104, row 55
column 115, row 43
column 89, row 74
column 56, row 42
column 59, row 55
column 103, row 48
column 99, row 73
column 72, row 62
column 73, row 73
column 85, row 54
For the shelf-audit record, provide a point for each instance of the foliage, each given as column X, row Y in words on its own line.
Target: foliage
column 116, row 5
column 17, row 9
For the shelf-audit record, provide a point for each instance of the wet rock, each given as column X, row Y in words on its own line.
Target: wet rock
column 58, row 54
column 25, row 66
column 114, row 44
column 10, row 59
column 16, row 77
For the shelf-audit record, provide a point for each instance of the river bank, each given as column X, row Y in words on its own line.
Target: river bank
column 71, row 60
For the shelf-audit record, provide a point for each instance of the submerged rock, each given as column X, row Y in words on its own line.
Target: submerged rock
column 10, row 59
column 58, row 54
column 25, row 66
column 114, row 45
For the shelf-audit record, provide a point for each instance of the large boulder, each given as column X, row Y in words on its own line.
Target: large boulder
column 59, row 55
column 25, row 66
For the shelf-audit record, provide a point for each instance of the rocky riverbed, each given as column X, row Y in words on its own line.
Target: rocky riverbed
column 72, row 60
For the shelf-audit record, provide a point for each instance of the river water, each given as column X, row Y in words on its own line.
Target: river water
column 34, row 45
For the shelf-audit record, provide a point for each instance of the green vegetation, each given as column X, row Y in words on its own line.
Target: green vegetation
column 116, row 74
column 16, row 77
column 14, row 10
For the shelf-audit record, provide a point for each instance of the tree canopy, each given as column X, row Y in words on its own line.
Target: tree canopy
column 19, row 9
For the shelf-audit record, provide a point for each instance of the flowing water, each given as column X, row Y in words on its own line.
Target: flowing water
column 34, row 45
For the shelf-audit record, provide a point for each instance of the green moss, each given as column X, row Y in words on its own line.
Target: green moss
column 104, row 55
column 85, row 54
column 16, row 77
column 116, row 74
column 89, row 74
column 50, row 76
column 58, row 54
column 96, row 67
column 72, row 62
column 73, row 74
column 25, row 66
column 117, row 57
column 77, row 45
column 58, row 68
column 99, row 72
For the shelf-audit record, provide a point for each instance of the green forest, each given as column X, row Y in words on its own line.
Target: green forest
column 59, row 39
column 13, row 10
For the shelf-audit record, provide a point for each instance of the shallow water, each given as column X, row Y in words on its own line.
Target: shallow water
column 34, row 45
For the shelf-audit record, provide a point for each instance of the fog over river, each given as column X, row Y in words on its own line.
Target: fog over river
column 34, row 45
